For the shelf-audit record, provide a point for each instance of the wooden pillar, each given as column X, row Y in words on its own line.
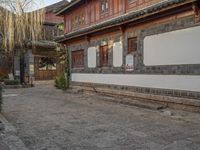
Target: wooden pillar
column 196, row 9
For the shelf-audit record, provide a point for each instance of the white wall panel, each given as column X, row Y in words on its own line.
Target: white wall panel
column 92, row 56
column 117, row 54
column 173, row 48
column 178, row 82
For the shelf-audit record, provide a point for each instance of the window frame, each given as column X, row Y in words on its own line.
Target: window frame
column 103, row 62
column 104, row 6
column 78, row 54
column 132, row 45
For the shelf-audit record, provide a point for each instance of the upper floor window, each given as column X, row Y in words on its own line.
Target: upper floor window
column 132, row 45
column 104, row 6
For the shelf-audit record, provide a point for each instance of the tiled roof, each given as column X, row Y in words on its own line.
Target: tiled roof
column 66, row 6
column 44, row 45
column 129, row 17
column 56, row 5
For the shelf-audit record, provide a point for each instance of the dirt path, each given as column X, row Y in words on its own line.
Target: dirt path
column 49, row 119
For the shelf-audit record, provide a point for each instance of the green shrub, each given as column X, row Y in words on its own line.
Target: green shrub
column 1, row 98
column 3, row 78
column 11, row 82
column 60, row 82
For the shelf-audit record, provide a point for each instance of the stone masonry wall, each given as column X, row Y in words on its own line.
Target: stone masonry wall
column 140, row 68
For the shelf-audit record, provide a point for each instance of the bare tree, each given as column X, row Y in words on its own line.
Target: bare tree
column 19, row 25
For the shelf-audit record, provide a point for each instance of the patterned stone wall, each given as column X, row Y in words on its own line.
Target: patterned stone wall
column 139, row 66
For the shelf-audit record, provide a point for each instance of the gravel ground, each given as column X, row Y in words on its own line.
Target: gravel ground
column 49, row 119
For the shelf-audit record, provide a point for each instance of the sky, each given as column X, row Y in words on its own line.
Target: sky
column 49, row 2
column 37, row 4
column 46, row 3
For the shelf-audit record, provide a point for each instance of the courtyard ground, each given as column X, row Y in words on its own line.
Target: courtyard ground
column 50, row 119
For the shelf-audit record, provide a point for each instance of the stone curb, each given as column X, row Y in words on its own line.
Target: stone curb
column 16, row 86
column 9, row 137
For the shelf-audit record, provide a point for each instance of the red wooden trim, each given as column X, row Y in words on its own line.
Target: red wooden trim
column 78, row 59
column 104, row 56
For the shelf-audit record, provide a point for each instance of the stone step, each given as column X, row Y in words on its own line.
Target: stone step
column 142, row 103
column 150, row 100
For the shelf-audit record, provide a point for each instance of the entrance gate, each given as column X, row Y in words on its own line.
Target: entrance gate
column 46, row 68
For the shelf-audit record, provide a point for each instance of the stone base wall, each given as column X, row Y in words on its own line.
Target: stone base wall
column 144, row 90
column 171, row 98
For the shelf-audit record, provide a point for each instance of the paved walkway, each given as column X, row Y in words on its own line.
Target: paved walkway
column 8, row 136
column 49, row 119
column 3, row 146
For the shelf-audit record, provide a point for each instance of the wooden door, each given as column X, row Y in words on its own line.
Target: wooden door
column 104, row 56
column 45, row 72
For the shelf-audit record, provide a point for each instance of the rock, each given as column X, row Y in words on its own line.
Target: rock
column 168, row 113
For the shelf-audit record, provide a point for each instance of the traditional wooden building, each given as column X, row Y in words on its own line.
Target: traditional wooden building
column 41, row 62
column 46, row 65
column 143, row 48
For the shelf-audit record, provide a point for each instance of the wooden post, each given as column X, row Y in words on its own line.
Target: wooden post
column 67, row 67
column 196, row 9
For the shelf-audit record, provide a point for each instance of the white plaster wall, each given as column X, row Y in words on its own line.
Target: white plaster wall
column 92, row 56
column 117, row 54
column 177, row 82
column 173, row 48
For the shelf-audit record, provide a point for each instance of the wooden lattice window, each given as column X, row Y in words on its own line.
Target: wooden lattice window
column 78, row 59
column 132, row 45
column 104, row 6
column 104, row 56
